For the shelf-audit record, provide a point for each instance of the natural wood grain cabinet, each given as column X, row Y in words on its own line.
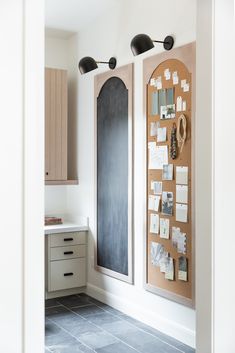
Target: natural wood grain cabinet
column 56, row 111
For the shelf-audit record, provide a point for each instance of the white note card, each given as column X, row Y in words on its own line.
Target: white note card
column 164, row 228
column 152, row 82
column 179, row 104
column 175, row 78
column 158, row 82
column 158, row 156
column 181, row 214
column 154, row 223
column 167, row 74
column 154, row 201
column 156, row 186
column 161, row 134
column 181, row 175
column 154, row 128
column 182, row 193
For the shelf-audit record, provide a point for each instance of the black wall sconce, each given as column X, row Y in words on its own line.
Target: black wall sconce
column 142, row 42
column 87, row 64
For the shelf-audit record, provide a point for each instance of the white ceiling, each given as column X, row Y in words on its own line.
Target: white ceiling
column 72, row 15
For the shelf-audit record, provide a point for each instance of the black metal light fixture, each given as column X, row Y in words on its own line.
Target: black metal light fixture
column 87, row 64
column 142, row 42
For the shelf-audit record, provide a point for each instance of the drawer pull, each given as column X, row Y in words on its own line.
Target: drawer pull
column 68, row 253
column 68, row 274
column 68, row 239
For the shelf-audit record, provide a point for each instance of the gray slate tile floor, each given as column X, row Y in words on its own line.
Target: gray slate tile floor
column 81, row 324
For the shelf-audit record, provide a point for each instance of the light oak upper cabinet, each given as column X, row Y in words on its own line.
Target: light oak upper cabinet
column 56, row 118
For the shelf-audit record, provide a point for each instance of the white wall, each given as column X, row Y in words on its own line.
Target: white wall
column 111, row 35
column 21, row 178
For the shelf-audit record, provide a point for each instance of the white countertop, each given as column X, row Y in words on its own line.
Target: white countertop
column 65, row 227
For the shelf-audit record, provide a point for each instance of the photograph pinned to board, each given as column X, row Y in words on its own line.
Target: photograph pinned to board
column 181, row 175
column 163, row 261
column 154, row 202
column 158, row 155
column 157, row 252
column 179, row 240
column 164, row 228
column 154, row 127
column 158, row 82
column 181, row 214
column 167, row 74
column 156, row 186
column 183, row 269
column 167, row 203
column 169, row 267
column 170, row 92
column 152, row 82
column 154, row 223
column 167, row 172
column 181, row 193
column 167, row 111
column 155, row 108
column 175, row 78
column 161, row 134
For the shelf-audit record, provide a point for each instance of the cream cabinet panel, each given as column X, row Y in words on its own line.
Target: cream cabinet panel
column 68, row 252
column 56, row 111
column 65, row 239
column 67, row 274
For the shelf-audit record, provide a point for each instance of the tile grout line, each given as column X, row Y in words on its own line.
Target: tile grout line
column 74, row 312
column 63, row 329
column 117, row 316
column 138, row 328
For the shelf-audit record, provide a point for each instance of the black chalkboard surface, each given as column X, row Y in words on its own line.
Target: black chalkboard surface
column 112, row 176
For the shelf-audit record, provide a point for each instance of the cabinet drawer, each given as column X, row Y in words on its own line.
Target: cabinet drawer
column 64, row 239
column 67, row 274
column 67, row 252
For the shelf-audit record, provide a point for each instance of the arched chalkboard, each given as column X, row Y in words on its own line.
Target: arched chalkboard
column 112, row 176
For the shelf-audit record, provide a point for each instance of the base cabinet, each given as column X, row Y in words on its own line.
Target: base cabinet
column 65, row 261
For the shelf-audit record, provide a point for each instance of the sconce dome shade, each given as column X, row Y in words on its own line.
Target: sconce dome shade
column 87, row 64
column 141, row 43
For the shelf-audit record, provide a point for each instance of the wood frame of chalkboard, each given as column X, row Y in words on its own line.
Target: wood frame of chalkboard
column 153, row 278
column 125, row 74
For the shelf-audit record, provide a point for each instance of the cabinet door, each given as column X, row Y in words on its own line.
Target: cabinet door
column 55, row 124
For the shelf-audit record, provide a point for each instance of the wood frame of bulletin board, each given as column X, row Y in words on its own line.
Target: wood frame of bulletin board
column 182, row 60
column 123, row 74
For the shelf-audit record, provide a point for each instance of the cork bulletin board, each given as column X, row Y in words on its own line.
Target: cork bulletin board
column 169, row 81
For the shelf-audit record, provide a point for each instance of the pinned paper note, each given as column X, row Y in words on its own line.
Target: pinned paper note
column 164, row 228
column 175, row 78
column 182, row 193
column 154, row 201
column 167, row 203
column 179, row 240
column 167, row 74
column 154, row 223
column 179, row 104
column 157, row 252
column 158, row 156
column 186, row 87
column 184, row 106
column 183, row 269
column 183, row 82
column 154, row 128
column 181, row 214
column 156, row 186
column 158, row 82
column 169, row 274
column 167, row 172
column 182, row 175
column 161, row 134
column 152, row 82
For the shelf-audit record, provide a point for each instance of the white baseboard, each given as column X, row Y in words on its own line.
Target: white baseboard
column 168, row 327
column 64, row 293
